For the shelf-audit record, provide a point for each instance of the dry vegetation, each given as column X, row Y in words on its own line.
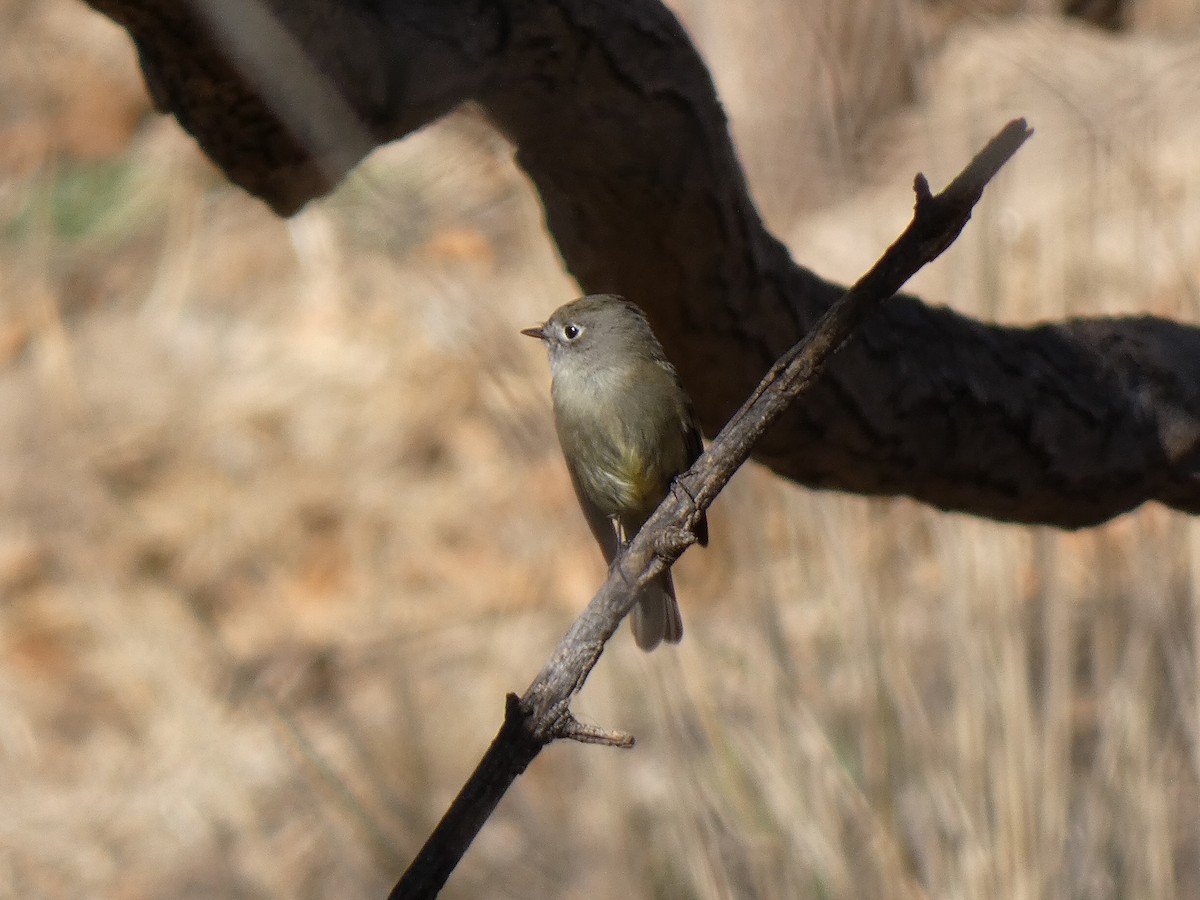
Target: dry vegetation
column 282, row 516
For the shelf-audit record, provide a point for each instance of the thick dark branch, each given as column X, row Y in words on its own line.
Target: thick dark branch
column 543, row 714
column 617, row 123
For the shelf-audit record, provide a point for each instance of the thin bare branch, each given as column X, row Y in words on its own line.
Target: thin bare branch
column 543, row 713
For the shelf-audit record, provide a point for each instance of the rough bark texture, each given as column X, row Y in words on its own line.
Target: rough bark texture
column 616, row 121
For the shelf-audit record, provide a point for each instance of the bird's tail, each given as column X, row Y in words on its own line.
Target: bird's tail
column 656, row 614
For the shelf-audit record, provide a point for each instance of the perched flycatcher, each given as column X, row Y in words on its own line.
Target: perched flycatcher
column 626, row 428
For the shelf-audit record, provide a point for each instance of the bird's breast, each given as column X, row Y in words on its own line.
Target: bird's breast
column 622, row 440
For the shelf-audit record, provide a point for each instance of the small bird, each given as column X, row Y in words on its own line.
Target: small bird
column 626, row 427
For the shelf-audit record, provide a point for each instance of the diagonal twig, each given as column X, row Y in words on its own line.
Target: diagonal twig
column 542, row 714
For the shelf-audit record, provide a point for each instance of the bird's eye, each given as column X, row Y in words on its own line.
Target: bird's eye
column 570, row 332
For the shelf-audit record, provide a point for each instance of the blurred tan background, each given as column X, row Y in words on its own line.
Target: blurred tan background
column 282, row 515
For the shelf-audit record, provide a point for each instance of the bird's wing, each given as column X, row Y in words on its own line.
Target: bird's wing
column 602, row 526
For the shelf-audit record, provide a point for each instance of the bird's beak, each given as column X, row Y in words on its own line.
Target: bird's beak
column 538, row 331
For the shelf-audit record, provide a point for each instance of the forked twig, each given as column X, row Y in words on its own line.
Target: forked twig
column 542, row 714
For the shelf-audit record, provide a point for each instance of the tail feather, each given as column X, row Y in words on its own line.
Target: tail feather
column 656, row 616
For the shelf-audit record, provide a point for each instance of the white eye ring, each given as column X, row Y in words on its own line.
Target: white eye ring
column 571, row 332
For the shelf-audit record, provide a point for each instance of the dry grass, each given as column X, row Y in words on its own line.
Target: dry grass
column 282, row 516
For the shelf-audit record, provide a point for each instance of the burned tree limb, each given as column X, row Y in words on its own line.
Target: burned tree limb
column 616, row 121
